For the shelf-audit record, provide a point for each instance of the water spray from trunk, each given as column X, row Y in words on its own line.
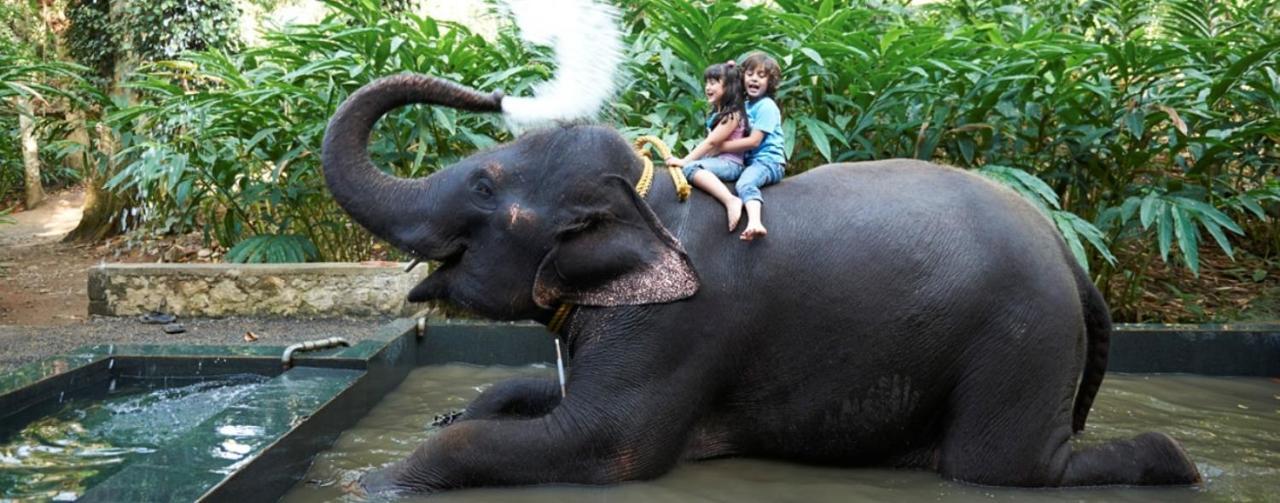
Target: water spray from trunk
column 588, row 50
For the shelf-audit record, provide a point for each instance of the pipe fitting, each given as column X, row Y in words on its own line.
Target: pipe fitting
column 287, row 358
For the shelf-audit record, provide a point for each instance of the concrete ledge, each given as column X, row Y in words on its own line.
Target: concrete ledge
column 215, row 290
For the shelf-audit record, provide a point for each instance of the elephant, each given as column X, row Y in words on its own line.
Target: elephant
column 899, row 314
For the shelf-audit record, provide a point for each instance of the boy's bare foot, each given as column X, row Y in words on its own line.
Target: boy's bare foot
column 754, row 230
column 734, row 211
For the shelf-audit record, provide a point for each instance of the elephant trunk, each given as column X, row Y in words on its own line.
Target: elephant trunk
column 392, row 208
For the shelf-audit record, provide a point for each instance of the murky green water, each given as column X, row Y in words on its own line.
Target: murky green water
column 62, row 454
column 1230, row 427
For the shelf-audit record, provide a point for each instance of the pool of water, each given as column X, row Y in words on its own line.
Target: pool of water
column 84, row 441
column 1229, row 426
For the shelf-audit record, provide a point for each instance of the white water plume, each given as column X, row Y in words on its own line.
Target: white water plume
column 588, row 49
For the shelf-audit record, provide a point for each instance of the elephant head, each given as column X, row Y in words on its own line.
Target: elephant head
column 517, row 229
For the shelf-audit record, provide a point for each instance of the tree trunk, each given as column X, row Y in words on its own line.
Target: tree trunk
column 102, row 208
column 80, row 136
column 30, row 152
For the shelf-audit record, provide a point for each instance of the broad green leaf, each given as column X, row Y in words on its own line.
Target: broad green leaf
column 1164, row 228
column 1237, row 70
column 1072, row 238
column 813, row 55
column 1151, row 204
column 818, row 136
column 1188, row 239
column 1212, row 213
column 1218, row 236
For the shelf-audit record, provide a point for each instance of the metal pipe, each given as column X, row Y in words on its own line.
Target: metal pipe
column 332, row 342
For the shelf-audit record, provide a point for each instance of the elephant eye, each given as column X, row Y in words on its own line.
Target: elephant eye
column 482, row 191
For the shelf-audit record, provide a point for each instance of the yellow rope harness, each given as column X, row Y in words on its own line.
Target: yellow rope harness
column 646, row 178
column 557, row 320
column 642, row 187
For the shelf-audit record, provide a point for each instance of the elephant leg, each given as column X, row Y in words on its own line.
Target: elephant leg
column 1025, row 457
column 603, row 436
column 1017, row 432
column 515, row 399
column 1147, row 459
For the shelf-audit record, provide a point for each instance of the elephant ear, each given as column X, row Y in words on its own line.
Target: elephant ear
column 616, row 253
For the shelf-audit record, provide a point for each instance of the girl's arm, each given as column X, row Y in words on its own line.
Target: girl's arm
column 713, row 143
column 745, row 143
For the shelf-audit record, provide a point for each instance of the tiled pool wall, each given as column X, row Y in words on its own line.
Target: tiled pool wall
column 1213, row 350
column 301, row 410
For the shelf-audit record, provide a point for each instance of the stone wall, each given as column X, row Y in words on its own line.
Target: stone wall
column 216, row 290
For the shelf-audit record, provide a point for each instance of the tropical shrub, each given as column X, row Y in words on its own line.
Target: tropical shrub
column 229, row 143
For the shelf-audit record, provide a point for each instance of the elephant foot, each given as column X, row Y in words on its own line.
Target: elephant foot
column 380, row 482
column 1171, row 465
column 1147, row 459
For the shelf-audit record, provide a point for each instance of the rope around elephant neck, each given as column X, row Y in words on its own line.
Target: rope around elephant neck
column 642, row 187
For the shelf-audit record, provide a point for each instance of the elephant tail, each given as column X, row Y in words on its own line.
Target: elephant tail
column 1097, row 322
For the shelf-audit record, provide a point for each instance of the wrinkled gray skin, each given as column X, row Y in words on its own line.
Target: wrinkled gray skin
column 899, row 314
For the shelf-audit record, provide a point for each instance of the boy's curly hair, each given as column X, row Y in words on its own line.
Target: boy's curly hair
column 762, row 61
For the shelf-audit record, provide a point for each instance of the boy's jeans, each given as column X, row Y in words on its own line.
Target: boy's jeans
column 749, row 178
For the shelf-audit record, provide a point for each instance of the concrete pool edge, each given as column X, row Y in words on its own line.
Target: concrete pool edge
column 517, row 343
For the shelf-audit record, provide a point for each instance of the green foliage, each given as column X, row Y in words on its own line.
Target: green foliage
column 21, row 32
column 91, row 41
column 229, row 144
column 164, row 29
column 273, row 249
column 24, row 76
column 11, row 178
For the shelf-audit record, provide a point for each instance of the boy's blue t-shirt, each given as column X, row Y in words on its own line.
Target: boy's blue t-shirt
column 763, row 114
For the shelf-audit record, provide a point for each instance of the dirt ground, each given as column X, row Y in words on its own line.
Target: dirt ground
column 42, row 280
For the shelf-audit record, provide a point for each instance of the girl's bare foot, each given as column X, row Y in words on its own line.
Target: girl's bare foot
column 733, row 209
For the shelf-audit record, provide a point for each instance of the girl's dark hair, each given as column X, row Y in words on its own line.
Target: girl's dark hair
column 762, row 61
column 734, row 99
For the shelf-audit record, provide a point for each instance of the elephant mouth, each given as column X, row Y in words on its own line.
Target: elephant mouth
column 432, row 287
